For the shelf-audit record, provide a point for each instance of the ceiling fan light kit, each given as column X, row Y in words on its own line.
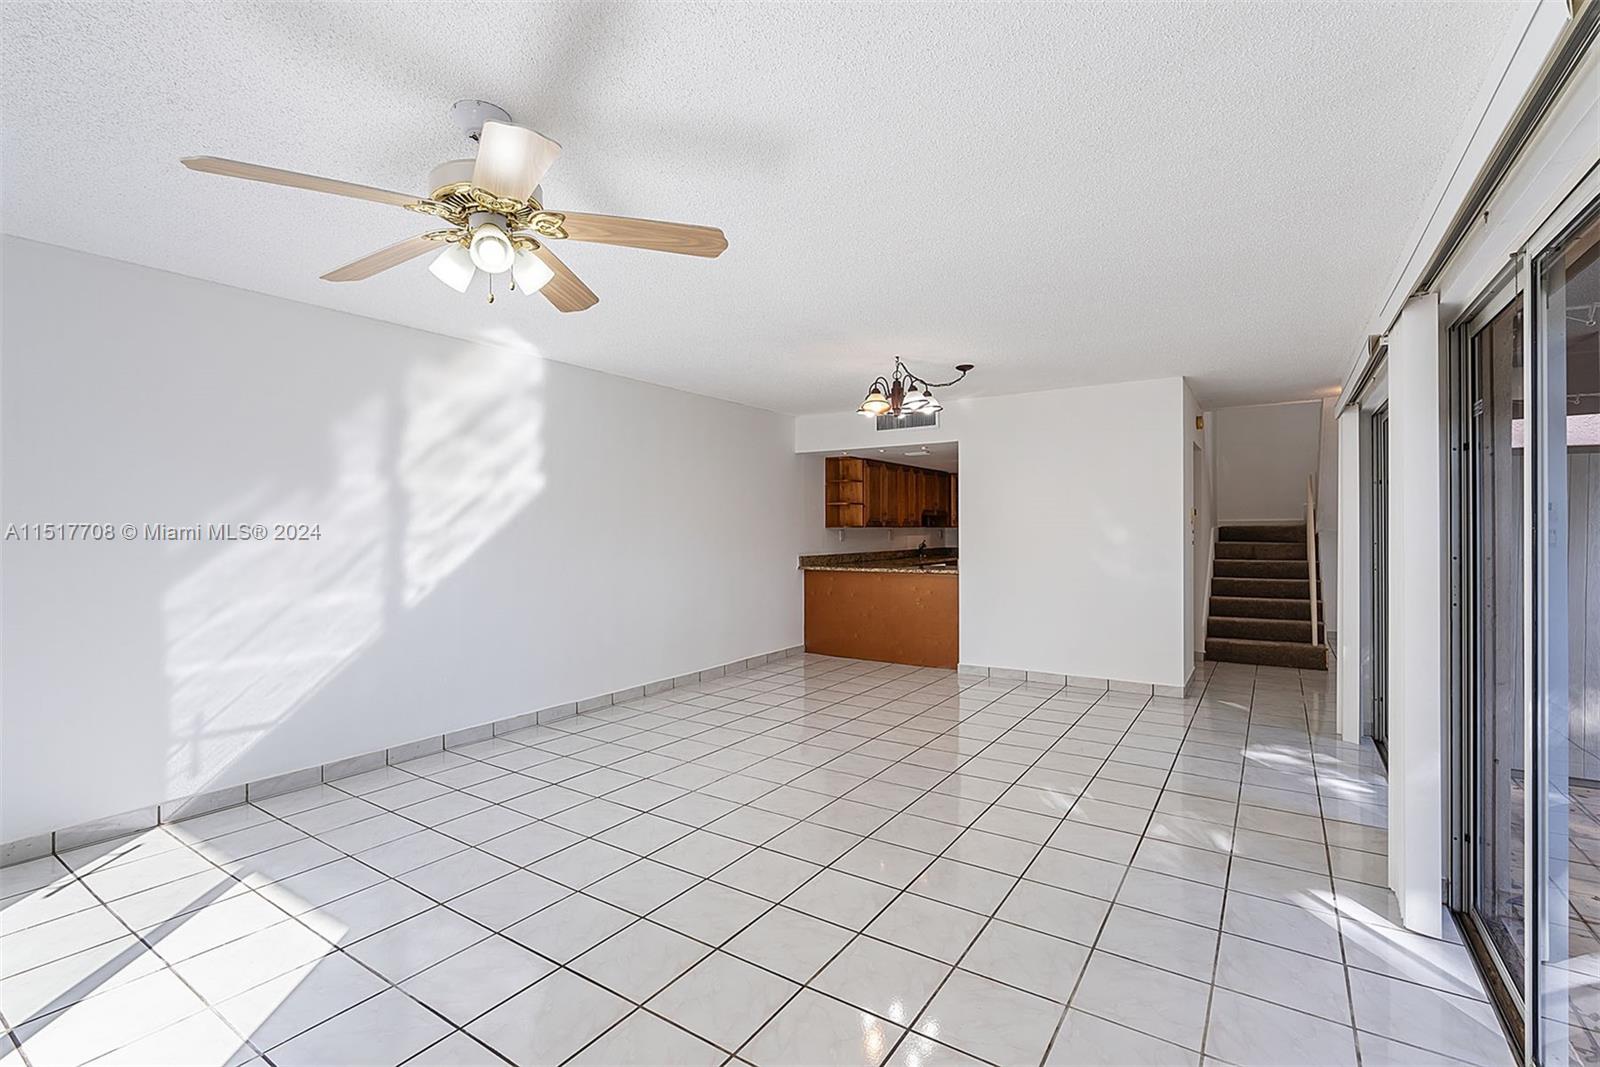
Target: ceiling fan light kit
column 529, row 272
column 493, row 207
column 455, row 268
column 903, row 393
column 490, row 245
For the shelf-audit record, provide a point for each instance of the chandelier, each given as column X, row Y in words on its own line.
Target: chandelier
column 905, row 393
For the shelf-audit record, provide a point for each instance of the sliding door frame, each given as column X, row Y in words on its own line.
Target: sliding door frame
column 1507, row 986
column 1547, row 625
column 1542, row 1031
column 1378, row 580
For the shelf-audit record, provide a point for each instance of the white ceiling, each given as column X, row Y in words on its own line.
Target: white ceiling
column 940, row 457
column 1063, row 195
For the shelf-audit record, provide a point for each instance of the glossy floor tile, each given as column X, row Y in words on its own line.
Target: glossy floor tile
column 818, row 861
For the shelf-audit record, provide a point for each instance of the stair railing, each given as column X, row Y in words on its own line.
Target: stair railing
column 1211, row 576
column 1311, row 554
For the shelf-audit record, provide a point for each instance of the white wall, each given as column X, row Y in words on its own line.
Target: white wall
column 1074, row 535
column 500, row 533
column 841, row 430
column 1264, row 454
column 1353, row 659
column 822, row 541
column 1194, row 566
column 1328, row 513
column 1417, row 614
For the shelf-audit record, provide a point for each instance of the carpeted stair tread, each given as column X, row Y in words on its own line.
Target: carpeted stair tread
column 1279, row 550
column 1259, row 568
column 1287, row 588
column 1238, row 607
column 1267, row 653
column 1260, row 629
column 1279, row 531
column 1262, row 598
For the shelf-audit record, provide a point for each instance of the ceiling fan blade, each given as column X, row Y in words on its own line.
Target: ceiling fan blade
column 565, row 290
column 677, row 237
column 232, row 168
column 382, row 260
column 512, row 159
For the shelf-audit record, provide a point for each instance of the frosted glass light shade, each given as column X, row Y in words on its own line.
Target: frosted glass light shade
column 491, row 249
column 530, row 273
column 875, row 403
column 454, row 267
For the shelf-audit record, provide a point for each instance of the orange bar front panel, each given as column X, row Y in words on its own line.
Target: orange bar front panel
column 893, row 617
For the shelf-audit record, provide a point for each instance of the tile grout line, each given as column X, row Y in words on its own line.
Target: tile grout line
column 1055, row 1034
column 1022, row 875
column 801, row 986
column 985, row 707
column 1333, row 886
column 1010, row 734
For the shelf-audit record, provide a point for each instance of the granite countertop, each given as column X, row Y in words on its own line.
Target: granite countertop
column 902, row 561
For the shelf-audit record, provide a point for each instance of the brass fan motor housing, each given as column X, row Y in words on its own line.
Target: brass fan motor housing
column 457, row 203
column 522, row 242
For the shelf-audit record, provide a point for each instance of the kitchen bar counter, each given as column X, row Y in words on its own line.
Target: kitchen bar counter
column 905, row 561
column 884, row 606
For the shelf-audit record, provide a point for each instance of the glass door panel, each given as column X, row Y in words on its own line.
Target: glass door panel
column 1494, row 542
column 1563, row 435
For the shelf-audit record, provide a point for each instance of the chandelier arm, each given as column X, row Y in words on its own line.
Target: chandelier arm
column 963, row 368
column 913, row 379
column 904, row 387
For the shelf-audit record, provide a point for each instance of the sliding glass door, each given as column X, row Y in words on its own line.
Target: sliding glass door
column 1563, row 436
column 1492, row 554
column 1528, row 492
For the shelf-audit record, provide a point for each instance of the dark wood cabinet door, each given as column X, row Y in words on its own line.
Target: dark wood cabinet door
column 871, row 492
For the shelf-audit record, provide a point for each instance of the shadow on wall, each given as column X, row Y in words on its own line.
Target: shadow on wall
column 419, row 478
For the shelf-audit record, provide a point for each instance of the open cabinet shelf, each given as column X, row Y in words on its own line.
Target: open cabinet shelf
column 869, row 492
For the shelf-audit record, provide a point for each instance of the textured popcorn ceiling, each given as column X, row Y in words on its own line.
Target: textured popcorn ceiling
column 1063, row 195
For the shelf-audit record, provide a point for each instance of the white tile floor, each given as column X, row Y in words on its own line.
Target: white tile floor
column 819, row 861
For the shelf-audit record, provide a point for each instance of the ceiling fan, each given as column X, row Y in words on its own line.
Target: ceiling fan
column 493, row 207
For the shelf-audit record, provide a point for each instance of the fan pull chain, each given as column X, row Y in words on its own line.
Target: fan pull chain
column 491, row 288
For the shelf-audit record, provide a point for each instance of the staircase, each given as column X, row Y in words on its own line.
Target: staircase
column 1261, row 599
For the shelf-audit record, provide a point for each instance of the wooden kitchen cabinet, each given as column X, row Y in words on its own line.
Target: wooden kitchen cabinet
column 846, row 498
column 871, row 492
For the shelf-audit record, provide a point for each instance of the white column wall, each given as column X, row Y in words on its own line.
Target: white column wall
column 1416, row 614
column 1352, row 619
column 1090, row 575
